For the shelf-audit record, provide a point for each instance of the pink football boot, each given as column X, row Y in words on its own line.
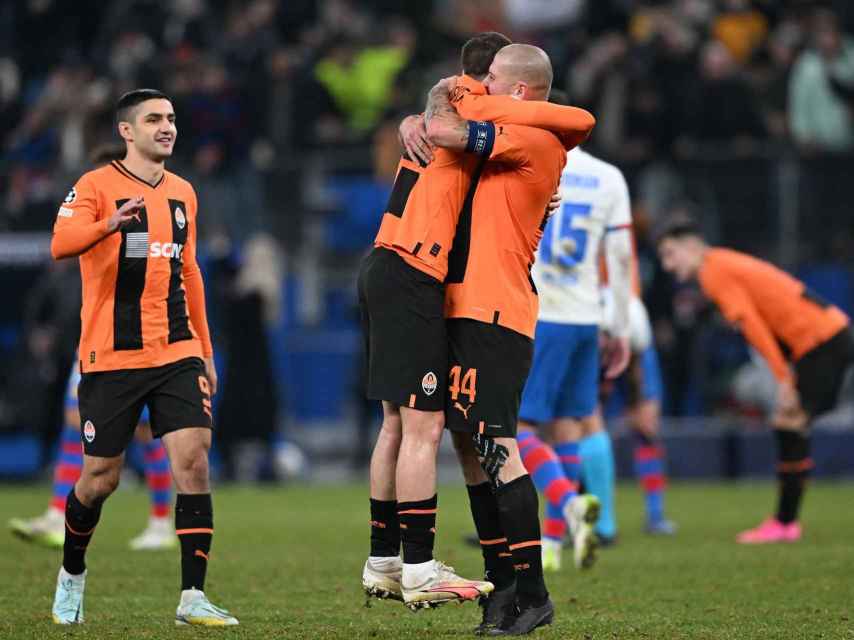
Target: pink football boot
column 770, row 531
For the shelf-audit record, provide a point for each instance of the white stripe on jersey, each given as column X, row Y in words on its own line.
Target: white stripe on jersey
column 595, row 199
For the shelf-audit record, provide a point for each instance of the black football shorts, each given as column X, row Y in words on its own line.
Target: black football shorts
column 822, row 370
column 177, row 395
column 402, row 313
column 489, row 365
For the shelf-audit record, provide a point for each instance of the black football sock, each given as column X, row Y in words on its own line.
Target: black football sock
column 194, row 527
column 793, row 467
column 385, row 529
column 80, row 523
column 498, row 566
column 519, row 510
column 417, row 529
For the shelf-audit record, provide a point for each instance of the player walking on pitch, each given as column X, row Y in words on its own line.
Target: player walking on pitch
column 144, row 341
column 773, row 311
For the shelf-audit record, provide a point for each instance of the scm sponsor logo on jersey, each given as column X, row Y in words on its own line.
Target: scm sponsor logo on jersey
column 166, row 250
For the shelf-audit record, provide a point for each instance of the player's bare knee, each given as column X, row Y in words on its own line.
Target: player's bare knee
column 568, row 429
column 97, row 484
column 434, row 430
column 590, row 425
column 512, row 469
column 107, row 484
column 470, row 464
column 425, row 426
column 196, row 470
column 391, row 430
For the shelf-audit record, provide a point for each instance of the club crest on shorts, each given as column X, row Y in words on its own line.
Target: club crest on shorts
column 429, row 383
column 89, row 431
column 180, row 219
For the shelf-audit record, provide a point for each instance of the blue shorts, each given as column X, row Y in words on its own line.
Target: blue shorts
column 564, row 378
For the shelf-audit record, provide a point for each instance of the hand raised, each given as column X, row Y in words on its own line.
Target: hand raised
column 127, row 212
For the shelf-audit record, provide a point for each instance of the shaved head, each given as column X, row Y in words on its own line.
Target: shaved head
column 522, row 70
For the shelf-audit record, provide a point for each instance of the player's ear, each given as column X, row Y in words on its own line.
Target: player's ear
column 126, row 131
column 520, row 91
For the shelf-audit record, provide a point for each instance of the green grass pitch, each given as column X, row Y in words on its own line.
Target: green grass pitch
column 288, row 561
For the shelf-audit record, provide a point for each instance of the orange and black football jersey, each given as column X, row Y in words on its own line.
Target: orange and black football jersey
column 490, row 277
column 143, row 296
column 423, row 212
column 774, row 311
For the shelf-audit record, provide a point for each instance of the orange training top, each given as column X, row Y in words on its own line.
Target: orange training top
column 490, row 279
column 143, row 295
column 424, row 208
column 770, row 307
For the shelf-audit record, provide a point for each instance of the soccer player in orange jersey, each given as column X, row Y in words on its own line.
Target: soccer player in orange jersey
column 144, row 342
column 491, row 306
column 774, row 312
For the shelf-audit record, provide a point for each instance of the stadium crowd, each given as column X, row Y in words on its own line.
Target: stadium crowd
column 288, row 115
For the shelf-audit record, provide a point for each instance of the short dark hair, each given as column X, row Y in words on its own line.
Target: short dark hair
column 478, row 52
column 676, row 228
column 131, row 99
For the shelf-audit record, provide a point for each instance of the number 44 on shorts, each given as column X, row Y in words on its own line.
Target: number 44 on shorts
column 460, row 383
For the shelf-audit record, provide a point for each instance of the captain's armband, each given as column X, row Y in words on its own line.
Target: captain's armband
column 481, row 137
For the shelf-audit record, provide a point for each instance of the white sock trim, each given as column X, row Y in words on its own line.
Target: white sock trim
column 415, row 575
column 385, row 563
column 64, row 575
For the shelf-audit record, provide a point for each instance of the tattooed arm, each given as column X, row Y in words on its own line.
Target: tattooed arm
column 445, row 127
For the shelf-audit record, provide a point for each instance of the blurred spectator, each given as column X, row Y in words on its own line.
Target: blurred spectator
column 740, row 28
column 773, row 76
column 528, row 15
column 360, row 78
column 250, row 301
column 34, row 386
column 720, row 110
column 822, row 89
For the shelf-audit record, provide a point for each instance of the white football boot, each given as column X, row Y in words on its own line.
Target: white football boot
column 68, row 600
column 581, row 514
column 159, row 534
column 196, row 609
column 381, row 578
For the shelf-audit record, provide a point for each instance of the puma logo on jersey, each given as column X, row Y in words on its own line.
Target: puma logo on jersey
column 166, row 250
column 465, row 410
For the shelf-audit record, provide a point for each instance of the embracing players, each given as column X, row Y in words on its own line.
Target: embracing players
column 774, row 312
column 144, row 342
column 491, row 306
column 424, row 228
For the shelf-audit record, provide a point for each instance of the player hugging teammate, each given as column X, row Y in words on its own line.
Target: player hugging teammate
column 448, row 310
